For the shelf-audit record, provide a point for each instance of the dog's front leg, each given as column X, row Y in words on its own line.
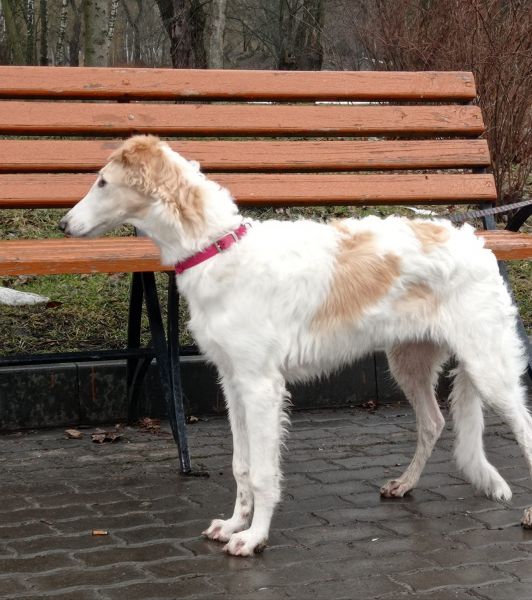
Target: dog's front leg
column 264, row 415
column 219, row 529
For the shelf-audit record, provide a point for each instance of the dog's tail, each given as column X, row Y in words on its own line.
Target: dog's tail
column 468, row 419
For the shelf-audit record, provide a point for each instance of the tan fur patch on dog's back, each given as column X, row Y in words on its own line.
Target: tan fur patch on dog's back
column 429, row 234
column 150, row 169
column 419, row 299
column 362, row 277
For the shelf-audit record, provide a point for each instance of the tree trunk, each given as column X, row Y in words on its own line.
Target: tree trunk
column 73, row 44
column 215, row 54
column 112, row 20
column 13, row 35
column 96, row 41
column 59, row 49
column 43, row 10
column 197, row 23
column 308, row 38
column 184, row 21
column 30, row 27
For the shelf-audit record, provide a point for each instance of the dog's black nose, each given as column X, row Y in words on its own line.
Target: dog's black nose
column 62, row 226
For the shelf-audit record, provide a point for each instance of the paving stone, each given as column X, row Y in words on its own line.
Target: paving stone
column 350, row 533
column 142, row 535
column 389, row 565
column 521, row 569
column 113, row 524
column 86, row 577
column 505, row 591
column 389, row 461
column 90, row 499
column 16, row 532
column 74, row 595
column 312, row 490
column 62, row 542
column 38, row 564
column 379, row 513
column 8, row 585
column 498, row 519
column 496, row 554
column 442, row 578
column 485, row 537
column 421, row 544
column 447, row 524
column 146, row 553
column 182, row 588
column 353, row 589
column 52, row 515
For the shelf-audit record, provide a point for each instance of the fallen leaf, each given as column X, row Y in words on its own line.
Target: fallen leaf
column 151, row 425
column 192, row 419
column 46, row 522
column 53, row 304
column 73, row 434
column 371, row 404
column 98, row 532
column 102, row 436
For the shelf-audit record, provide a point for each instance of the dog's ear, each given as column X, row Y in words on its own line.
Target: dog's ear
column 150, row 169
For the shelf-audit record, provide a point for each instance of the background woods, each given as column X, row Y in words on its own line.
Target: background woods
column 493, row 38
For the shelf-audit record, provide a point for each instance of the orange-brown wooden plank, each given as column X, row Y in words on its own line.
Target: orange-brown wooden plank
column 287, row 189
column 100, row 119
column 62, row 155
column 109, row 255
column 172, row 84
column 508, row 245
column 102, row 255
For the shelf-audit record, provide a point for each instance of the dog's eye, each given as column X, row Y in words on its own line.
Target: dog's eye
column 102, row 182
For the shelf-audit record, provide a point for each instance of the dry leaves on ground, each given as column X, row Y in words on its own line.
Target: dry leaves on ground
column 73, row 434
column 100, row 436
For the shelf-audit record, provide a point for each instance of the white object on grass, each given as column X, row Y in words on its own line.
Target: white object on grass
column 16, row 298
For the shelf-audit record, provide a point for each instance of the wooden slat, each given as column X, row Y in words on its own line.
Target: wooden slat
column 63, row 191
column 61, row 256
column 110, row 255
column 508, row 245
column 170, row 84
column 100, row 119
column 57, row 155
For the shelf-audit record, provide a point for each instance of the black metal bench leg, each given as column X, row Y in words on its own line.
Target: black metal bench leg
column 174, row 402
column 175, row 366
column 136, row 368
column 489, row 223
column 520, row 326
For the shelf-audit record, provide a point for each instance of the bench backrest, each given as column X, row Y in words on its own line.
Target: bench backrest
column 272, row 138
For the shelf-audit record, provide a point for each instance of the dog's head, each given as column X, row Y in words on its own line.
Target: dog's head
column 144, row 181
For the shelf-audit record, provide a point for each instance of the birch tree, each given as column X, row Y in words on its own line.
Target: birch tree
column 30, row 31
column 43, row 13
column 215, row 53
column 59, row 49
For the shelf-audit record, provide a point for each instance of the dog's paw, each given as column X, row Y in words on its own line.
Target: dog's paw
column 221, row 531
column 526, row 521
column 245, row 544
column 395, row 489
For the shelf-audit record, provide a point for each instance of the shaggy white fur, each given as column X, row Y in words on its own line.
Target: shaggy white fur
column 292, row 300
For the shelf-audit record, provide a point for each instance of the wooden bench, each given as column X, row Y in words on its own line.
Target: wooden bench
column 303, row 138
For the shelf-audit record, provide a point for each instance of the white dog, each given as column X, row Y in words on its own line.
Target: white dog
column 274, row 302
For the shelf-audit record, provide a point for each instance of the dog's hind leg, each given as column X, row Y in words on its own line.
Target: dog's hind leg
column 468, row 419
column 494, row 363
column 222, row 530
column 415, row 367
column 264, row 402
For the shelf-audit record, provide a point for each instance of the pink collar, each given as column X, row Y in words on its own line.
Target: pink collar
column 219, row 246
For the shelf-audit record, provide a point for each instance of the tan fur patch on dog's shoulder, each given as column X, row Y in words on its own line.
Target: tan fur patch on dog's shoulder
column 150, row 169
column 429, row 234
column 362, row 277
column 418, row 298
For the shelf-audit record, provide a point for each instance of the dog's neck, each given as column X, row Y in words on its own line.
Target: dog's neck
column 174, row 239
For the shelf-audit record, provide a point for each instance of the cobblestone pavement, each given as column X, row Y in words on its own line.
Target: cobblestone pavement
column 333, row 536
